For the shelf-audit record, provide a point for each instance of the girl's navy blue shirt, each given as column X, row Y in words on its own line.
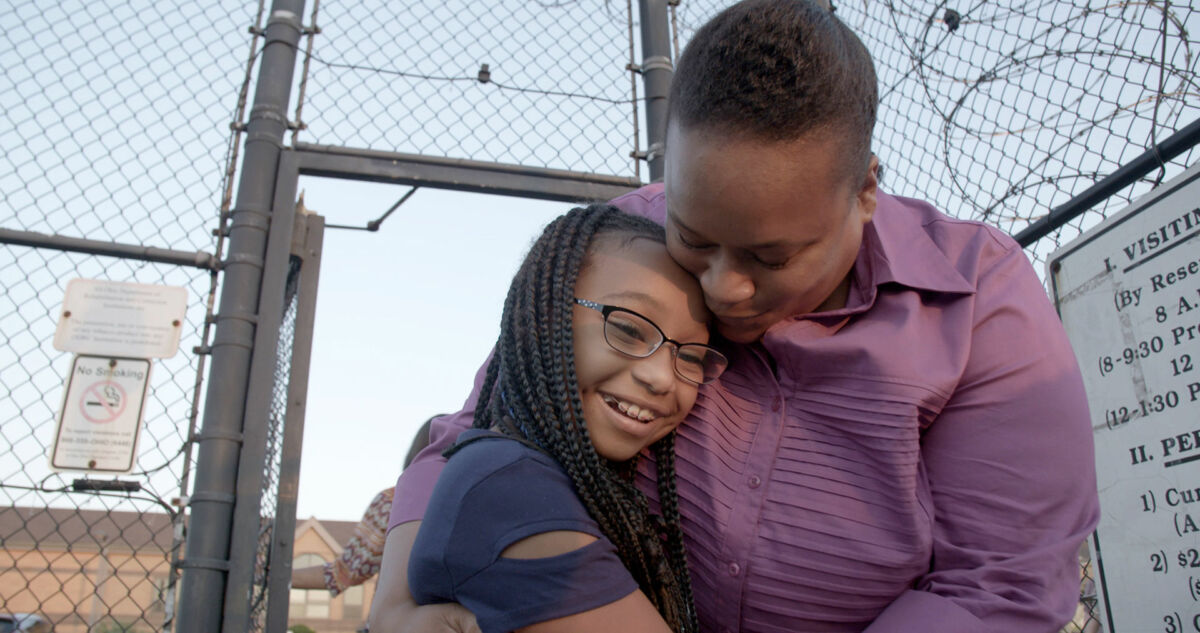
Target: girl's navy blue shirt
column 494, row 492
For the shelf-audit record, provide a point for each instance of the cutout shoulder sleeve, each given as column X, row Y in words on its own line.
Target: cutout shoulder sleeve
column 491, row 495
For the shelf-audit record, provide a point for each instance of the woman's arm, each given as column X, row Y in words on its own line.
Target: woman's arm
column 1011, row 474
column 393, row 609
column 312, row 577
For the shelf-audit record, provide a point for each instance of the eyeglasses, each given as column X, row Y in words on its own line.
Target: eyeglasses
column 634, row 335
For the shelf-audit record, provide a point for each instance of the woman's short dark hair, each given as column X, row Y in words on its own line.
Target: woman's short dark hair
column 777, row 70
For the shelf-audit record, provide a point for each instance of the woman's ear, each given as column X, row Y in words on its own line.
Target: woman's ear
column 867, row 190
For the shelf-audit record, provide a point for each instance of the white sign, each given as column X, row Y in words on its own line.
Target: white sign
column 110, row 318
column 1129, row 295
column 101, row 415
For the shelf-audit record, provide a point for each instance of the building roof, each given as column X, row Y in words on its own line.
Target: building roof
column 55, row 528
column 341, row 531
column 67, row 528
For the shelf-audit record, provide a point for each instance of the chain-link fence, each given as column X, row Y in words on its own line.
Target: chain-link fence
column 115, row 129
column 1001, row 112
column 530, row 83
column 998, row 112
column 116, row 158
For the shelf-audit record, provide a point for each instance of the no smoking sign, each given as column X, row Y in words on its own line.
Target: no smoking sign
column 101, row 415
column 103, row 402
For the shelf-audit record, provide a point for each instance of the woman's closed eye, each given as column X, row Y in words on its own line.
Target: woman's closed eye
column 770, row 263
column 691, row 244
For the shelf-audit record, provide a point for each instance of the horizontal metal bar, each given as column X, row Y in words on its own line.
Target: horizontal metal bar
column 1129, row 173
column 197, row 562
column 104, row 485
column 198, row 259
column 459, row 175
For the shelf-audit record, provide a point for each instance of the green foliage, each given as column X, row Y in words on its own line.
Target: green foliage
column 113, row 625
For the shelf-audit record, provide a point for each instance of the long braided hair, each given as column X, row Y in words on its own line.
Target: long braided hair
column 532, row 380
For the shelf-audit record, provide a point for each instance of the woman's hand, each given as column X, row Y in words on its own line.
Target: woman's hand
column 432, row 618
column 393, row 609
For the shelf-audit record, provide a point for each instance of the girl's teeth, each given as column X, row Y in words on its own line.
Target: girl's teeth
column 631, row 410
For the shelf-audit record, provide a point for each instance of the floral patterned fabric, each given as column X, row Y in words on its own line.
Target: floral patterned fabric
column 361, row 555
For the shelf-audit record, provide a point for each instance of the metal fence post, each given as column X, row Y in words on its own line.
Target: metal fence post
column 206, row 562
column 657, row 71
column 253, row 510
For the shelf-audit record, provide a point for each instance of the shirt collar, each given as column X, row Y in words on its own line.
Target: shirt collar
column 897, row 248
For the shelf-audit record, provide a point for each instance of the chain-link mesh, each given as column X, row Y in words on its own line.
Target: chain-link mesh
column 277, row 424
column 115, row 127
column 1001, row 112
column 407, row 76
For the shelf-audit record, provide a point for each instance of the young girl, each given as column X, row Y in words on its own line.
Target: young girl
column 535, row 523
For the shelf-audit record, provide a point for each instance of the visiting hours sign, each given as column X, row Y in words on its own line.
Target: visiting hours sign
column 1128, row 293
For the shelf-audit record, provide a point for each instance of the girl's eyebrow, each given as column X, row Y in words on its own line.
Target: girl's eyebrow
column 635, row 295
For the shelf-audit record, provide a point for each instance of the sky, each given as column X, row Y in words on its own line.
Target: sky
column 405, row 316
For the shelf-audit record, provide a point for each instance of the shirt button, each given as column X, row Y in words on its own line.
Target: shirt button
column 734, row 569
column 775, row 404
column 754, row 481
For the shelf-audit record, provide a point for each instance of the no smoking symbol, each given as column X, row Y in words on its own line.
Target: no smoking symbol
column 103, row 402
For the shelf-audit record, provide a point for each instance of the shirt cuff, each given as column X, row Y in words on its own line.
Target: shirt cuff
column 329, row 574
column 413, row 490
column 921, row 612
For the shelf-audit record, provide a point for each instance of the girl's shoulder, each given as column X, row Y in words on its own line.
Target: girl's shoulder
column 495, row 492
column 481, row 454
column 496, row 479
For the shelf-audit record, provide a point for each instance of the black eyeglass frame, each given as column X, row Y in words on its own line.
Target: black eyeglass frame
column 605, row 310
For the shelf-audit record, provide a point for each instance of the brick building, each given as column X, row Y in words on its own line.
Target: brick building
column 106, row 572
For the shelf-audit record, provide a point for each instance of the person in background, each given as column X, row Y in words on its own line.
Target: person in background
column 901, row 443
column 359, row 560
